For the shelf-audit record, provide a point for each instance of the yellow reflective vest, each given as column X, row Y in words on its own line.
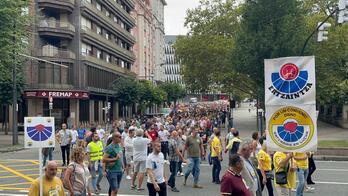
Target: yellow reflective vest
column 96, row 151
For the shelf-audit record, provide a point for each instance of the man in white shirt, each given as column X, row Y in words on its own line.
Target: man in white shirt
column 64, row 138
column 139, row 156
column 164, row 138
column 156, row 181
column 128, row 146
column 73, row 136
column 101, row 134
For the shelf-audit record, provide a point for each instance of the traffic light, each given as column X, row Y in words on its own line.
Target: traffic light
column 322, row 32
column 342, row 11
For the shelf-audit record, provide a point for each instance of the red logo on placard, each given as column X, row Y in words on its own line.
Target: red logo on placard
column 289, row 71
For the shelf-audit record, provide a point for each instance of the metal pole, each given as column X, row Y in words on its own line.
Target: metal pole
column 14, row 94
column 40, row 171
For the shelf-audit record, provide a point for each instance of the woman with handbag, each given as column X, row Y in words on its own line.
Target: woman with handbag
column 265, row 169
column 284, row 173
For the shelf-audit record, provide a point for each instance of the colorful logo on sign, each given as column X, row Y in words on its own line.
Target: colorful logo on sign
column 39, row 133
column 291, row 128
column 290, row 82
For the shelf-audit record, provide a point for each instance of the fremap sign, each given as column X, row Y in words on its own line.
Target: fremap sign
column 57, row 94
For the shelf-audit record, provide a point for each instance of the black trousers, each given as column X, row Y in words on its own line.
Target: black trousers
column 165, row 149
column 311, row 169
column 153, row 192
column 268, row 184
column 65, row 151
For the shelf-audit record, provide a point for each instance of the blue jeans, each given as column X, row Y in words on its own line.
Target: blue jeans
column 114, row 178
column 216, row 169
column 173, row 167
column 301, row 176
column 194, row 168
column 96, row 177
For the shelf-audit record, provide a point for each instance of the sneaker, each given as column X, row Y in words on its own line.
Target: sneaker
column 128, row 177
column 311, row 182
column 218, row 182
column 98, row 187
column 183, row 164
column 140, row 189
column 96, row 192
column 181, row 174
column 133, row 187
column 293, row 190
column 309, row 190
column 196, row 186
column 175, row 190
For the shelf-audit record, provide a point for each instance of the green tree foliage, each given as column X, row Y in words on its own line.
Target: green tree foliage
column 268, row 29
column 173, row 92
column 126, row 90
column 13, row 33
column 149, row 94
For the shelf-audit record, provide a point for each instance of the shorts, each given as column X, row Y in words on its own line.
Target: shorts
column 114, row 178
column 129, row 159
column 139, row 166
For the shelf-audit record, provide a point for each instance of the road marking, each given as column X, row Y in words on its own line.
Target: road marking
column 13, row 184
column 9, row 194
column 18, row 176
column 17, row 173
column 23, row 165
column 335, row 183
column 340, row 170
column 34, row 162
column 20, row 170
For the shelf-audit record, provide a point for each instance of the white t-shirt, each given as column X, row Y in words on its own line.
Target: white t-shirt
column 64, row 137
column 124, row 135
column 140, row 148
column 101, row 133
column 73, row 136
column 156, row 162
column 163, row 135
column 128, row 144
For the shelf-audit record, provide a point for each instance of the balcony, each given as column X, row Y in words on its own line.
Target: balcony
column 112, row 46
column 56, row 28
column 54, row 54
column 67, row 5
column 98, row 62
column 118, row 8
column 93, row 12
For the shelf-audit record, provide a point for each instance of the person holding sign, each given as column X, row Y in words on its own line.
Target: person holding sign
column 52, row 185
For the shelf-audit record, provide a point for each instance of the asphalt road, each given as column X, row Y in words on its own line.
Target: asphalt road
column 19, row 169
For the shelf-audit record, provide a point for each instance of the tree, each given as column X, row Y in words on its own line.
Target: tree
column 149, row 94
column 14, row 23
column 174, row 92
column 268, row 29
column 126, row 90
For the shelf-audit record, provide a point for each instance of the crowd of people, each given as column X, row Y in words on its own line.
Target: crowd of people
column 143, row 146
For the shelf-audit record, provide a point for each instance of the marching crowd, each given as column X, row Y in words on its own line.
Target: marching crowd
column 142, row 147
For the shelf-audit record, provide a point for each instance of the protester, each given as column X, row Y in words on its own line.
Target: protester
column 47, row 154
column 95, row 153
column 282, row 162
column 216, row 156
column 64, row 138
column 174, row 157
column 311, row 168
column 194, row 148
column 74, row 135
column 249, row 172
column 81, row 133
column 229, row 136
column 302, row 171
column 139, row 157
column 113, row 163
column 255, row 146
column 101, row 134
column 163, row 136
column 265, row 169
column 128, row 144
column 232, row 183
column 181, row 146
column 233, row 144
column 156, row 181
column 52, row 185
column 76, row 177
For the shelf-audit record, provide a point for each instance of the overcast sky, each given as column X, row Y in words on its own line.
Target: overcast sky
column 174, row 15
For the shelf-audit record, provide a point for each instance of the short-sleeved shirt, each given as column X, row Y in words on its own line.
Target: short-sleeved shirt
column 73, row 136
column 128, row 144
column 81, row 133
column 140, row 148
column 81, row 175
column 156, row 164
column 50, row 188
column 173, row 145
column 233, row 184
column 277, row 158
column 65, row 137
column 112, row 150
column 266, row 160
column 301, row 164
column 153, row 135
column 193, row 144
column 163, row 135
column 215, row 144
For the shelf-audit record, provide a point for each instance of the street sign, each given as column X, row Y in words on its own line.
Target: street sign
column 39, row 132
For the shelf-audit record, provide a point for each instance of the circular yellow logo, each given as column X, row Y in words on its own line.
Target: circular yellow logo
column 291, row 128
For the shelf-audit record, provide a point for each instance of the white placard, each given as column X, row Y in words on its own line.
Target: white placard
column 290, row 80
column 291, row 128
column 39, row 132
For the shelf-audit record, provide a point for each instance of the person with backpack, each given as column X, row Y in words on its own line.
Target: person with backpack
column 95, row 153
column 77, row 175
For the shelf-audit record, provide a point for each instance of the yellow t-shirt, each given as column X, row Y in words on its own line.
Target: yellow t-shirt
column 50, row 188
column 301, row 164
column 215, row 144
column 291, row 175
column 266, row 160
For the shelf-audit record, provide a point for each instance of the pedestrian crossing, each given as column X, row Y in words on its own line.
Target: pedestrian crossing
column 24, row 193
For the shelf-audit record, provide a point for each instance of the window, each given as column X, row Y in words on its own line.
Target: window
column 115, row 19
column 107, row 13
column 122, row 63
column 122, row 25
column 98, row 6
column 86, row 49
column 107, row 35
column 85, row 23
column 99, row 54
column 108, row 58
column 99, row 30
